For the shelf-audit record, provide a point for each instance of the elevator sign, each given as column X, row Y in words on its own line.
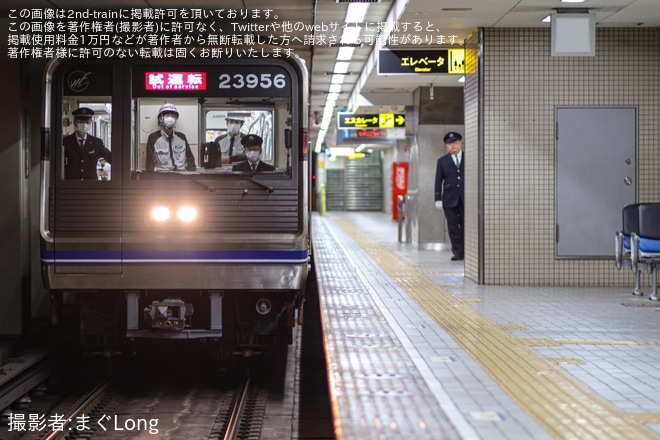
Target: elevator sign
column 410, row 62
column 380, row 120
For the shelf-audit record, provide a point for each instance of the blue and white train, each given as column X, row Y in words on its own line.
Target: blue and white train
column 205, row 253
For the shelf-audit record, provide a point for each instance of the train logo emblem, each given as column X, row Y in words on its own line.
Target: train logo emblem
column 78, row 81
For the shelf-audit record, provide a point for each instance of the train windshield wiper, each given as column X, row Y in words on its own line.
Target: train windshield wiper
column 192, row 176
column 270, row 189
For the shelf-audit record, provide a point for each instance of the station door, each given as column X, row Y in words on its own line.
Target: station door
column 595, row 176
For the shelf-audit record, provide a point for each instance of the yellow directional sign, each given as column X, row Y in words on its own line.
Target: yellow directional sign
column 456, row 61
column 386, row 120
column 381, row 120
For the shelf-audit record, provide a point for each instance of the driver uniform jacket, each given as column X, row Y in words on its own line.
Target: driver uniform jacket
column 82, row 163
column 160, row 157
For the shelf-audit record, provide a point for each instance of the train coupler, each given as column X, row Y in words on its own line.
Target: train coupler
column 169, row 314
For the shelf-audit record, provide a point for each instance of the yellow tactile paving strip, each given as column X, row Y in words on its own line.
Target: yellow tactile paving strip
column 562, row 405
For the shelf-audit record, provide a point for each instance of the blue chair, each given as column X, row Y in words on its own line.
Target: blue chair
column 645, row 246
column 622, row 244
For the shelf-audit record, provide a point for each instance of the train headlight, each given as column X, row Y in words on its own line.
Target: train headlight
column 160, row 213
column 187, row 214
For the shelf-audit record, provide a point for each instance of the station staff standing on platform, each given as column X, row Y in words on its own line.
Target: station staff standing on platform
column 168, row 150
column 449, row 190
column 252, row 145
column 82, row 151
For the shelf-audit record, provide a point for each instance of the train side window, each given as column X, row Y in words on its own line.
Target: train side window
column 86, row 138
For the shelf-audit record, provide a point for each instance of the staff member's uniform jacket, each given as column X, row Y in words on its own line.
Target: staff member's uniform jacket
column 163, row 155
column 226, row 147
column 449, row 190
column 80, row 162
column 222, row 146
column 246, row 166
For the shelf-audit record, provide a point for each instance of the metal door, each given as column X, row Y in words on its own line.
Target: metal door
column 364, row 183
column 595, row 176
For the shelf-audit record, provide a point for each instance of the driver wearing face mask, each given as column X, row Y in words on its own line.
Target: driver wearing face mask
column 229, row 144
column 252, row 145
column 167, row 149
column 83, row 153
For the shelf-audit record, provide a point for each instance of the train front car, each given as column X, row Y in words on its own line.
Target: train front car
column 175, row 199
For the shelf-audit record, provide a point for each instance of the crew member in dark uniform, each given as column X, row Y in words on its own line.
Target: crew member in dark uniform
column 82, row 151
column 449, row 190
column 252, row 149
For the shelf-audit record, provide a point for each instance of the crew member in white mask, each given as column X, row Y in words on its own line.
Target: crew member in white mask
column 231, row 149
column 167, row 149
column 252, row 144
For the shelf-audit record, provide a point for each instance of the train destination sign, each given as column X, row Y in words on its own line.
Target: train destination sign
column 407, row 62
column 175, row 80
column 380, row 120
column 231, row 80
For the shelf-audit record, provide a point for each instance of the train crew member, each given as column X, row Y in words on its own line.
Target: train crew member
column 231, row 149
column 168, row 150
column 252, row 146
column 82, row 151
column 449, row 190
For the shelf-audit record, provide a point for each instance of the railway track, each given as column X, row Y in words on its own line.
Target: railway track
column 142, row 398
column 171, row 394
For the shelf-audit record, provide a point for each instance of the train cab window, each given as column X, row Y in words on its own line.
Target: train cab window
column 198, row 119
column 185, row 136
column 86, row 138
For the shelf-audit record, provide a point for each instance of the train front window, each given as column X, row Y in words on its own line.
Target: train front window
column 182, row 135
column 211, row 120
column 86, row 138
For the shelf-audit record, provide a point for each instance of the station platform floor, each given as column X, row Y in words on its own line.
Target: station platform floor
column 414, row 350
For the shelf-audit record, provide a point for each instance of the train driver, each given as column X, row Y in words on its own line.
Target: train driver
column 167, row 149
column 252, row 145
column 82, row 151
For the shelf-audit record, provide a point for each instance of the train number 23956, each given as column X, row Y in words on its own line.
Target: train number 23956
column 252, row 81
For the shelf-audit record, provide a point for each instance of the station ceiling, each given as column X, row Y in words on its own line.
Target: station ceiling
column 428, row 24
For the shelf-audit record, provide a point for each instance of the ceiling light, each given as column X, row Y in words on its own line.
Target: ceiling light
column 547, row 19
column 332, row 97
column 335, row 88
column 572, row 1
column 351, row 35
column 355, row 12
column 341, row 67
column 345, row 53
column 461, row 79
column 337, row 79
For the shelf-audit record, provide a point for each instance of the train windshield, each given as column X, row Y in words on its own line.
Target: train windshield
column 207, row 120
column 122, row 120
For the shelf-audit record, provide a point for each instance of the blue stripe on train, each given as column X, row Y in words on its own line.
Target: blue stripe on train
column 171, row 256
